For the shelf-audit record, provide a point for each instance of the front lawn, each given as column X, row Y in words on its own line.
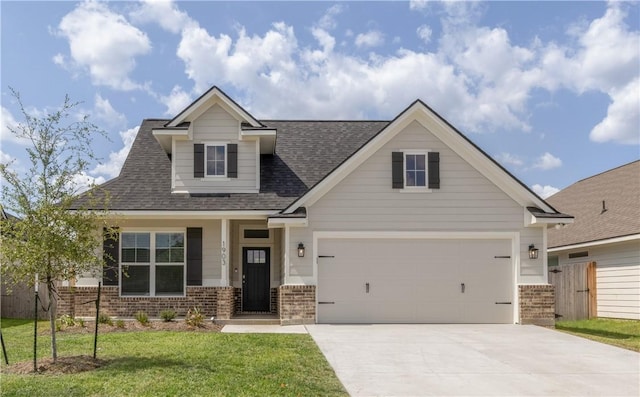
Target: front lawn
column 168, row 363
column 622, row 333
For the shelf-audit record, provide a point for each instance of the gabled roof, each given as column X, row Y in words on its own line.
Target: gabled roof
column 309, row 159
column 213, row 95
column 605, row 206
column 305, row 153
column 448, row 134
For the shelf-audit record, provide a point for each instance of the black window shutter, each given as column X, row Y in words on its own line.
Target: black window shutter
column 397, row 170
column 434, row 170
column 232, row 160
column 194, row 256
column 198, row 160
column 111, row 256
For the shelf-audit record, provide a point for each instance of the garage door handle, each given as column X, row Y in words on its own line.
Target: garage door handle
column 367, row 287
column 462, row 287
column 503, row 303
column 326, row 303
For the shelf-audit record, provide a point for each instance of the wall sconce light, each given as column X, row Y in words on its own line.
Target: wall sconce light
column 300, row 250
column 533, row 252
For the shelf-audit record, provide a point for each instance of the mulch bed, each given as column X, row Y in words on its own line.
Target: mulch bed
column 63, row 365
column 76, row 364
column 133, row 326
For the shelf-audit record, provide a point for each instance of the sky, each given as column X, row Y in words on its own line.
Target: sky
column 551, row 90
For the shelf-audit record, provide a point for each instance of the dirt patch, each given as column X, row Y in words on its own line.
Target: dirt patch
column 63, row 365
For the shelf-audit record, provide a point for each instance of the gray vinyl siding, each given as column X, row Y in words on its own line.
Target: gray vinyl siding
column 617, row 277
column 215, row 125
column 210, row 241
column 466, row 201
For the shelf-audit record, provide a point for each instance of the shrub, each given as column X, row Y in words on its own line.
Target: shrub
column 168, row 315
column 105, row 319
column 67, row 321
column 142, row 318
column 120, row 323
column 194, row 318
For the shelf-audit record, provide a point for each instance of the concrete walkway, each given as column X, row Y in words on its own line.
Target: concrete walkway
column 474, row 360
column 264, row 329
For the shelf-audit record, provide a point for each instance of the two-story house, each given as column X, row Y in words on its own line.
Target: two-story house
column 321, row 221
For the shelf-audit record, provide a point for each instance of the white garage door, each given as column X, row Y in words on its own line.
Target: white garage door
column 414, row 281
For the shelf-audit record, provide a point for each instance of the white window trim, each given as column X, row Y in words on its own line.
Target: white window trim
column 152, row 262
column 226, row 161
column 415, row 189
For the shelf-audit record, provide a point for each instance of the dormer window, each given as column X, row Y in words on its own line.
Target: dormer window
column 215, row 159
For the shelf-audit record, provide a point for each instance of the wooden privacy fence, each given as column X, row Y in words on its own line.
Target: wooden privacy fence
column 18, row 302
column 575, row 286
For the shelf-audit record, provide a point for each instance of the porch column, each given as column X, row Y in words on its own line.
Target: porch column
column 224, row 252
column 287, row 240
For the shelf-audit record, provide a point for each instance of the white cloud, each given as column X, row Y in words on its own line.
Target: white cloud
column 111, row 169
column 476, row 77
column 606, row 61
column 83, row 182
column 163, row 12
column 547, row 162
column 7, row 158
column 510, row 159
column 176, row 101
column 418, row 4
column 424, row 33
column 372, row 38
column 328, row 20
column 103, row 43
column 105, row 112
column 544, row 191
column 8, row 121
column 622, row 124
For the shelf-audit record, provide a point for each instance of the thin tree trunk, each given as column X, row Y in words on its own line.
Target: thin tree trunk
column 52, row 318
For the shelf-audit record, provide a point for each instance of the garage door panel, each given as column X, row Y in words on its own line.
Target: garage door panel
column 415, row 281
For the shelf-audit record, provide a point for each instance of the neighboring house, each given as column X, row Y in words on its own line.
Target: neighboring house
column 606, row 231
column 321, row 221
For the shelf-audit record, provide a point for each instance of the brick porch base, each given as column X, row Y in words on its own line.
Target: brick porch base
column 537, row 304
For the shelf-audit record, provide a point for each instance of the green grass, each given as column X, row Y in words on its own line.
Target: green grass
column 160, row 363
column 622, row 333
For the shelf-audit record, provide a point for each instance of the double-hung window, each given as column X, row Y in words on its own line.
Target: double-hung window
column 153, row 263
column 415, row 170
column 215, row 160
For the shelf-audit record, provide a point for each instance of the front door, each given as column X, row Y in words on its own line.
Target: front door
column 255, row 280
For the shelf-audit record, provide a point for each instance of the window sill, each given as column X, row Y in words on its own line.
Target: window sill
column 211, row 178
column 153, row 296
column 415, row 190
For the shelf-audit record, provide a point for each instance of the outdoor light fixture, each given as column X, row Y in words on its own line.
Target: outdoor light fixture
column 301, row 250
column 533, row 252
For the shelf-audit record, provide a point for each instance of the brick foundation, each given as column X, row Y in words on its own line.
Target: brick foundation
column 212, row 301
column 537, row 304
column 297, row 304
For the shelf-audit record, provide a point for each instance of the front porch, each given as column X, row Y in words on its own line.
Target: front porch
column 292, row 304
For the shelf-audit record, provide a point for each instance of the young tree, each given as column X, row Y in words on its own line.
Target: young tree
column 50, row 241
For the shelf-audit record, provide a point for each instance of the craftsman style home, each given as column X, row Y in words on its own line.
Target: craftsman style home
column 401, row 221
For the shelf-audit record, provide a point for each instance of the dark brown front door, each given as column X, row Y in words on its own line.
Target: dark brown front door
column 255, row 279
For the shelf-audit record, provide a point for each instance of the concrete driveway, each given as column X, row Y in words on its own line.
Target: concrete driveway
column 474, row 360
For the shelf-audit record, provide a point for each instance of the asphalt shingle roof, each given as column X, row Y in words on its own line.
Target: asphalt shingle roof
column 306, row 151
column 618, row 188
